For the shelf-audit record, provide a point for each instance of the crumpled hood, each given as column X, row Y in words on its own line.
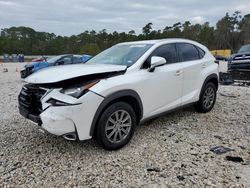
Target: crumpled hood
column 59, row 73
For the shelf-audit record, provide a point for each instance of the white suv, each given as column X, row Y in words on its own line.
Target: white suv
column 119, row 88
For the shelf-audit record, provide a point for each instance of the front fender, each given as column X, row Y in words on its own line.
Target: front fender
column 112, row 97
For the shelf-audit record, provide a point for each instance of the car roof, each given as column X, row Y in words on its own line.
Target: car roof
column 162, row 41
column 159, row 41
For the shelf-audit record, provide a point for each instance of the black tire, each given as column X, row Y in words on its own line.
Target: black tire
column 104, row 124
column 23, row 74
column 201, row 105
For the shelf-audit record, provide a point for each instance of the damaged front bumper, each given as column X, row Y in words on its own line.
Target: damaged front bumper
column 58, row 120
column 73, row 118
column 34, row 118
column 52, row 120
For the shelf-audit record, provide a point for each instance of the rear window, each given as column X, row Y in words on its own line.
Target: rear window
column 188, row 52
column 201, row 52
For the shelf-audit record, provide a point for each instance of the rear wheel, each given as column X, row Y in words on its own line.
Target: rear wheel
column 116, row 126
column 207, row 98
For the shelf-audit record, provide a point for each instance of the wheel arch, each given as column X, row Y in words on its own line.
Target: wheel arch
column 214, row 79
column 129, row 96
column 211, row 78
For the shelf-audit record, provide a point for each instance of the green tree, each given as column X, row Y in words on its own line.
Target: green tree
column 131, row 32
column 245, row 29
column 227, row 32
column 91, row 49
column 206, row 35
column 147, row 29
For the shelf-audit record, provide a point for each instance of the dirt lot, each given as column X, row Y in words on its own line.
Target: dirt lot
column 172, row 151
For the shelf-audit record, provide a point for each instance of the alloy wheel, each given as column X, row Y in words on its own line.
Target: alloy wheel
column 118, row 126
column 208, row 97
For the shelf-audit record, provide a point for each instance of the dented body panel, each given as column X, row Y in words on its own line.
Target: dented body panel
column 72, row 118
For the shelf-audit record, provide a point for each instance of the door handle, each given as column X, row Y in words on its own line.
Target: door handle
column 178, row 73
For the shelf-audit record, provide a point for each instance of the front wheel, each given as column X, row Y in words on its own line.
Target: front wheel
column 116, row 126
column 207, row 98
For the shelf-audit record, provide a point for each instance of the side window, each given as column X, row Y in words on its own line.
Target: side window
column 66, row 60
column 167, row 51
column 188, row 52
column 201, row 52
column 76, row 60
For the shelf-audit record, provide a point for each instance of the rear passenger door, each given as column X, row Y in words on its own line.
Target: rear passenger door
column 191, row 59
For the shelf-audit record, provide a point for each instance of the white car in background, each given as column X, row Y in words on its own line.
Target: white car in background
column 119, row 88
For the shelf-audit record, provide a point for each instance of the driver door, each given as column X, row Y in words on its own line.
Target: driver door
column 163, row 87
column 66, row 60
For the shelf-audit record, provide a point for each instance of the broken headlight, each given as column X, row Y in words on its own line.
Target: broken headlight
column 78, row 91
column 55, row 102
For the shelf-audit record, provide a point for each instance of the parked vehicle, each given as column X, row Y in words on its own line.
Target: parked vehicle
column 119, row 88
column 240, row 60
column 54, row 61
column 86, row 57
column 238, row 67
column 39, row 59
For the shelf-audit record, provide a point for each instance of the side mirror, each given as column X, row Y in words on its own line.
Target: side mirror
column 156, row 61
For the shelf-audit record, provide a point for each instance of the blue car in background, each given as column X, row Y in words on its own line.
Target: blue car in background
column 54, row 61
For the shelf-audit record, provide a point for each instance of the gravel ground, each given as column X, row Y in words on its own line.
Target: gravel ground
column 171, row 151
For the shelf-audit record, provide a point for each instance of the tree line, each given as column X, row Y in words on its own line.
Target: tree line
column 230, row 32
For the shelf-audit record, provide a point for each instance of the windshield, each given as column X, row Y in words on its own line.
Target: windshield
column 245, row 48
column 53, row 59
column 125, row 54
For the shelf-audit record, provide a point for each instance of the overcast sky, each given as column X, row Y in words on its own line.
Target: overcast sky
column 67, row 17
